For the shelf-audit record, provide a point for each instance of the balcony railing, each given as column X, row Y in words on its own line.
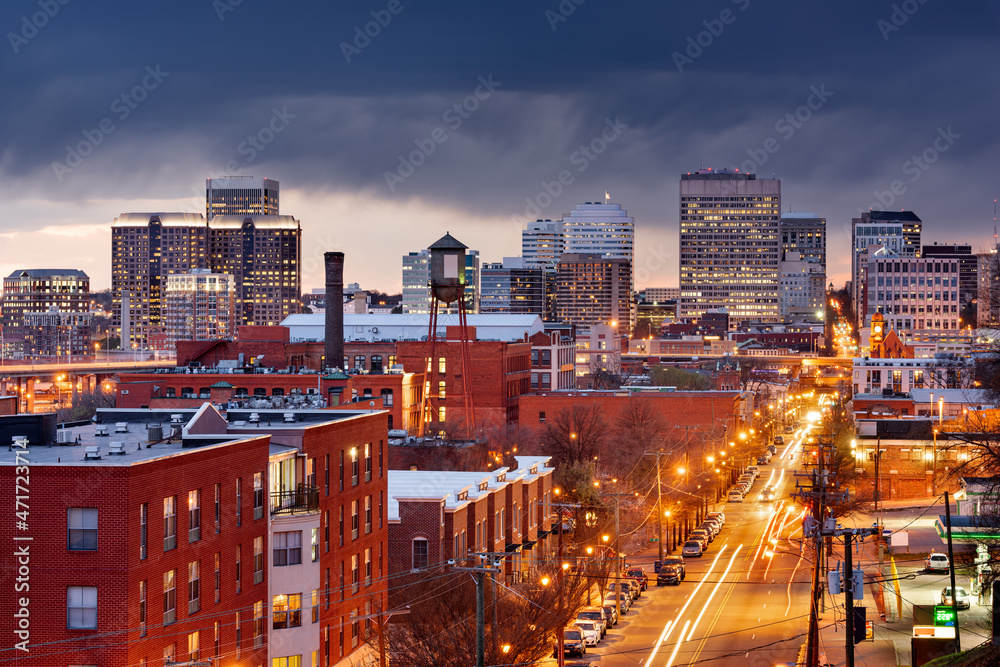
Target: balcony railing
column 305, row 498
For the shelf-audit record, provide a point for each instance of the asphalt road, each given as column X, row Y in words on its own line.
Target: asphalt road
column 740, row 605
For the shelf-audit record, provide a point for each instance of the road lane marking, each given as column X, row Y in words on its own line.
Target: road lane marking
column 670, row 625
column 711, row 595
column 676, row 646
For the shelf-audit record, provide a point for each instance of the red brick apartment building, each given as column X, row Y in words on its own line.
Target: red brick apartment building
column 184, row 536
column 436, row 516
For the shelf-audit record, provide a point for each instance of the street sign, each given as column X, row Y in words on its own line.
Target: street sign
column 944, row 616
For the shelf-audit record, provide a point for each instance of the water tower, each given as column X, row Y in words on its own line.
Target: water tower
column 446, row 269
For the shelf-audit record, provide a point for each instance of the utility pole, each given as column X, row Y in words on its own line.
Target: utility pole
column 951, row 568
column 478, row 575
column 659, row 501
column 849, row 598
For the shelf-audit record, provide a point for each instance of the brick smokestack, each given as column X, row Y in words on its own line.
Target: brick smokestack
column 334, row 335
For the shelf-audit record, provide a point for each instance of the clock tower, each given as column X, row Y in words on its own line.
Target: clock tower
column 877, row 337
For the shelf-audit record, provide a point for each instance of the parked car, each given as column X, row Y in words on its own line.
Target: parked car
column 639, row 575
column 773, row 449
column 712, row 528
column 610, row 614
column 720, row 515
column 573, row 642
column 962, row 600
column 761, row 460
column 591, row 631
column 789, row 429
column 669, row 574
column 778, row 440
column 936, row 561
column 735, row 496
column 692, row 548
column 754, row 470
column 701, row 532
column 624, row 600
column 625, row 588
column 595, row 614
column 678, row 561
column 717, row 522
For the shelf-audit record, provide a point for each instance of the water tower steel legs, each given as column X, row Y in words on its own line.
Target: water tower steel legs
column 433, row 369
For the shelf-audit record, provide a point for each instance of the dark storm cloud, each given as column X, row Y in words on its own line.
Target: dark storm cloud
column 705, row 83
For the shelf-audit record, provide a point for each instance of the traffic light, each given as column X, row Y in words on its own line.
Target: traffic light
column 860, row 618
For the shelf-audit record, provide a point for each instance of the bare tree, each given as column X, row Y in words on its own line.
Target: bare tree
column 639, row 427
column 440, row 630
column 575, row 434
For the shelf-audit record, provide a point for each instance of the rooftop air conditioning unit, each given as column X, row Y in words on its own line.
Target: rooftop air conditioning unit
column 116, row 449
column 64, row 436
column 92, row 452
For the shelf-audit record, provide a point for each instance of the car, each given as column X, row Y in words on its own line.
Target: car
column 936, row 562
column 624, row 601
column 778, row 440
column 692, row 548
column 573, row 642
column 754, row 470
column 626, row 588
column 591, row 631
column 789, row 429
column 701, row 533
column 761, row 460
column 639, row 575
column 679, row 562
column 720, row 515
column 595, row 614
column 773, row 449
column 734, row 496
column 635, row 586
column 711, row 527
column 610, row 614
column 715, row 522
column 962, row 600
column 669, row 574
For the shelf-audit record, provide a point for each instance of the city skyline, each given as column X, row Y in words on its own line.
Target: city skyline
column 474, row 135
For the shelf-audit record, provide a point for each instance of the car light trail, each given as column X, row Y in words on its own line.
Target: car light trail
column 677, row 646
column 711, row 596
column 665, row 635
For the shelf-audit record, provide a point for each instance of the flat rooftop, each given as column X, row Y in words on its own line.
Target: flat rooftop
column 130, row 427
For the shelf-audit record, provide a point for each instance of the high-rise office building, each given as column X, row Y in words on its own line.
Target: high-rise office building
column 543, row 243
column 416, row 283
column 729, row 245
column 38, row 291
column 240, row 195
column 803, row 266
column 896, row 231
column 601, row 229
column 968, row 267
column 260, row 252
column 511, row 287
column 200, row 305
column 593, row 289
column 915, row 295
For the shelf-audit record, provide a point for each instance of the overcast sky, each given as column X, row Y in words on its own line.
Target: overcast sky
column 116, row 106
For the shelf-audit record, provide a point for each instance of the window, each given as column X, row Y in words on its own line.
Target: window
column 194, row 515
column 239, row 567
column 169, row 523
column 290, row 661
column 386, row 398
column 359, row 362
column 326, row 589
column 355, row 466
column 315, row 605
column 541, row 417
column 81, row 524
column 258, row 560
column 368, row 461
column 169, row 653
column 314, row 542
column 287, row 611
column 380, row 507
column 239, row 501
column 355, row 629
column 287, row 548
column 143, row 521
column 258, row 495
column 218, row 576
column 355, row 573
column 239, row 637
column 194, row 641
column 258, row 624
column 381, row 447
column 142, row 608
column 441, row 365
column 169, row 597
column 368, row 566
column 442, row 387
column 368, row 515
column 326, row 476
column 442, row 415
column 218, row 509
column 194, row 586
column 419, row 553
column 217, row 641
column 342, row 470
column 355, row 518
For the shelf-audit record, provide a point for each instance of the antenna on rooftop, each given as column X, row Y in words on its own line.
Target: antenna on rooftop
column 994, row 224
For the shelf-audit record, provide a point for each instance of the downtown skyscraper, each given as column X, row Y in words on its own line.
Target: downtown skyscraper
column 729, row 245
